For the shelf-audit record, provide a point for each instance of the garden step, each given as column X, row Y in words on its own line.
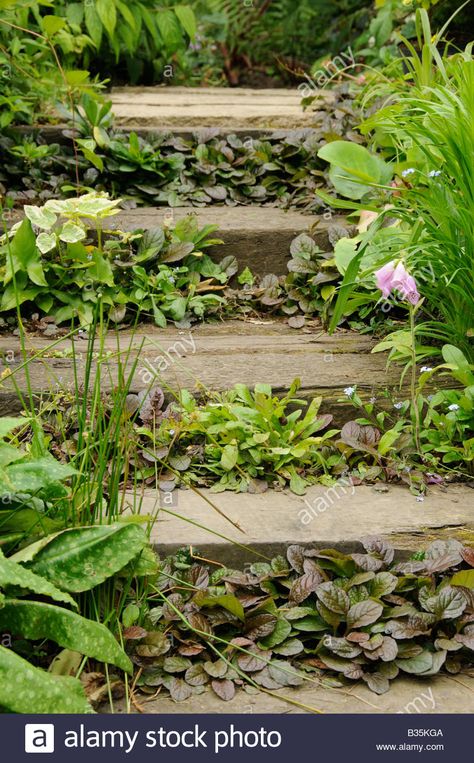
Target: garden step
column 325, row 517
column 216, row 356
column 259, row 237
column 408, row 695
column 187, row 107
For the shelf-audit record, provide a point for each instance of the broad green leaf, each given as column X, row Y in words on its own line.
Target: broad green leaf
column 447, row 604
column 101, row 270
column 363, row 613
column 334, row 598
column 45, row 242
column 81, row 558
column 187, row 19
column 31, row 476
column 387, row 441
column 94, row 25
column 42, row 217
column 229, row 457
column 457, row 361
column 354, row 170
column 382, row 584
column 9, row 423
column 23, row 245
column 14, row 574
column 226, row 600
column 418, row 664
column 280, row 634
column 52, row 24
column 9, row 454
column 76, row 77
column 36, row 274
column 169, row 27
column 37, row 620
column 88, row 146
column 71, row 233
column 463, row 578
column 96, row 205
column 127, row 14
column 35, row 691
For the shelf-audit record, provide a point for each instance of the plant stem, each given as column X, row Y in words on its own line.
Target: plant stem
column 413, row 391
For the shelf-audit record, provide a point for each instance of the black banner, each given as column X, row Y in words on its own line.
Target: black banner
column 204, row 738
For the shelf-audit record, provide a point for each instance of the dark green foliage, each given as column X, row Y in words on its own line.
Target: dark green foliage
column 164, row 169
column 332, row 617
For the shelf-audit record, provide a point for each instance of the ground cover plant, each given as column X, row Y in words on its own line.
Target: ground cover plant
column 250, row 440
column 318, row 615
column 168, row 170
column 87, row 610
column 66, row 257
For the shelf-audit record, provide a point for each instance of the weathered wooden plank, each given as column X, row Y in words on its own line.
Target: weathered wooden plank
column 336, row 517
column 210, row 107
column 214, row 356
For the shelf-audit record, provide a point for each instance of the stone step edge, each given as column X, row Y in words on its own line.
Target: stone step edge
column 337, row 517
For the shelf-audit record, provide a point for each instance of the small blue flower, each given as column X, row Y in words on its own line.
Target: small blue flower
column 349, row 391
column 408, row 171
column 434, row 173
column 425, row 369
column 453, row 407
column 398, row 406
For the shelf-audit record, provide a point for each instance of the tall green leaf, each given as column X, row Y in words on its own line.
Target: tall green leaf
column 38, row 620
column 81, row 558
column 187, row 19
column 26, row 689
column 12, row 573
column 107, row 13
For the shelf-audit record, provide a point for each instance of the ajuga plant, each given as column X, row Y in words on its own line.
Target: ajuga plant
column 316, row 615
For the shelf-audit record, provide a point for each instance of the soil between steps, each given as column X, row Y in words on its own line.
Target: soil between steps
column 407, row 695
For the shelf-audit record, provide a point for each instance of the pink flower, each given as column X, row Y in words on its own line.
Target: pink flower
column 405, row 284
column 393, row 277
column 384, row 278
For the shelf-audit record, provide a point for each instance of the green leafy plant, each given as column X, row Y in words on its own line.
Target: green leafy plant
column 318, row 614
column 68, row 561
column 61, row 271
column 242, row 440
column 33, row 496
column 135, row 39
column 354, row 170
column 207, row 168
column 420, row 438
